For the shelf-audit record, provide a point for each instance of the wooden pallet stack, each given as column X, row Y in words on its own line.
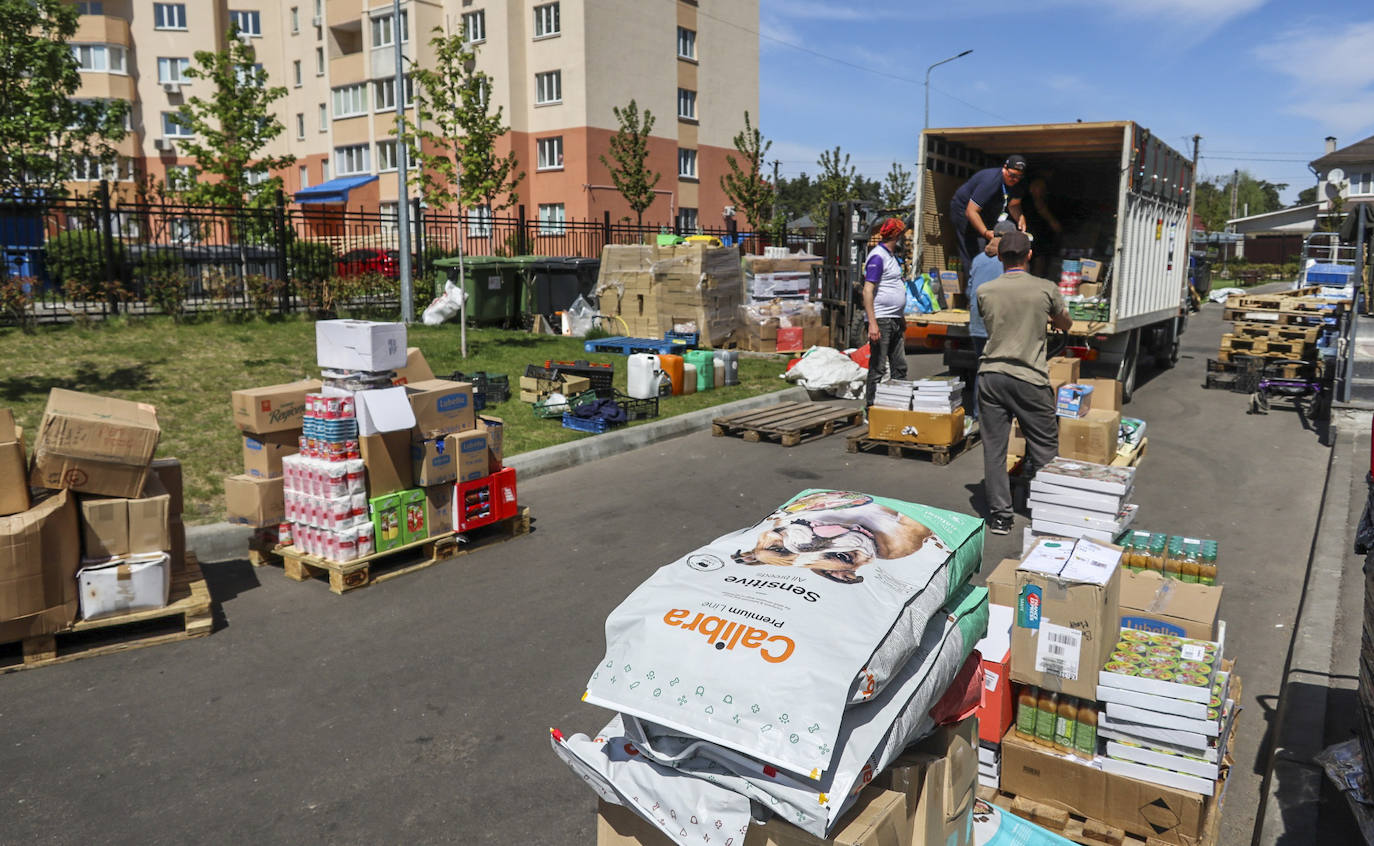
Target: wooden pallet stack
column 1277, row 334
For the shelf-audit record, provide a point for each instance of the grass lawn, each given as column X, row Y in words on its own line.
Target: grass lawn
column 187, row 371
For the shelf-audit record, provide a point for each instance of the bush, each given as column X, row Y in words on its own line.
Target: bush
column 263, row 293
column 76, row 261
column 310, row 261
column 16, row 299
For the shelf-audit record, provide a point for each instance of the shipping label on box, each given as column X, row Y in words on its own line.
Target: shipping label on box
column 434, row 461
column 274, row 408
column 1093, row 437
column 360, row 345
column 441, row 407
column 256, row 502
column 473, row 459
column 262, row 454
column 94, row 444
column 1074, row 400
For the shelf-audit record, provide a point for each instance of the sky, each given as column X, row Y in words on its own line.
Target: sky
column 1263, row 82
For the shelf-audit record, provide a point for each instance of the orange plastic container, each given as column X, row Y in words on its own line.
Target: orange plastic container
column 672, row 366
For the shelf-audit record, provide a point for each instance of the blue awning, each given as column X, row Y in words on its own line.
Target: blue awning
column 333, row 191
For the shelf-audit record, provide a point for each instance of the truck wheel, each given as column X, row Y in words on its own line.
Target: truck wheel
column 1166, row 354
column 1125, row 374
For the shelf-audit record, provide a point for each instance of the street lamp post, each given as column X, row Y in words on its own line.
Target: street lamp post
column 402, row 188
column 921, row 152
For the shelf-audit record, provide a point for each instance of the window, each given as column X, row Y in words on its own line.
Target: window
column 324, row 118
column 687, row 164
column 550, row 153
column 384, row 93
column 546, row 20
column 180, row 177
column 296, row 72
column 248, row 23
column 319, row 8
column 350, row 100
column 91, row 169
column 474, row 27
column 319, row 61
column 172, row 70
column 390, row 214
column 686, row 104
column 383, row 34
column 295, row 20
column 548, row 87
column 171, row 128
column 181, row 230
column 107, row 58
column 479, row 221
column 687, row 220
column 686, row 43
column 352, row 159
column 77, row 119
column 90, row 7
column 305, row 176
column 551, row 219
column 256, row 76
column 300, row 126
column 169, row 15
column 1361, row 183
column 388, row 157
column 324, row 169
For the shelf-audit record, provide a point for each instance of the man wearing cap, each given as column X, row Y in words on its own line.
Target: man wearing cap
column 990, row 195
column 1013, row 375
column 884, row 305
column 986, row 267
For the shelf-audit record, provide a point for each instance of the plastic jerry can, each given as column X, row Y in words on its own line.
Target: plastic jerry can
column 718, row 372
column 689, row 378
column 702, row 360
column 642, row 376
column 731, row 360
column 672, row 365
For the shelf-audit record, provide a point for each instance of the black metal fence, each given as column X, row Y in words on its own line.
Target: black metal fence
column 92, row 257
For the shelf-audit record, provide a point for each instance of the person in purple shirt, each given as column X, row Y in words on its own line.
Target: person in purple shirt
column 988, row 196
column 885, row 307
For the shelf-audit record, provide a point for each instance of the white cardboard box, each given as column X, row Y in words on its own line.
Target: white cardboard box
column 379, row 410
column 129, row 583
column 1155, row 775
column 360, row 345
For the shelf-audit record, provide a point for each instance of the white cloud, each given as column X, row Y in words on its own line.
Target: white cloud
column 1181, row 11
column 1342, row 117
column 826, row 11
column 1336, row 54
column 773, row 31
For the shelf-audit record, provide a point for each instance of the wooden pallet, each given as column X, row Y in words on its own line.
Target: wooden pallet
column 1306, row 334
column 940, row 455
column 789, row 423
column 1132, row 459
column 1294, row 350
column 186, row 615
column 1087, row 831
column 344, row 576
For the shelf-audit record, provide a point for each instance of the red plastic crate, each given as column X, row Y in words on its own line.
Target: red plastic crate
column 484, row 501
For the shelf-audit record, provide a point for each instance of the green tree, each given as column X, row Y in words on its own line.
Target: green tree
column 45, row 133
column 1253, row 196
column 797, row 196
column 1307, row 196
column 837, row 182
column 745, row 186
column 897, row 187
column 455, row 141
column 230, row 130
column 630, row 148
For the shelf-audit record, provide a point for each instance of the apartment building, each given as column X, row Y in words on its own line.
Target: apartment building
column 558, row 70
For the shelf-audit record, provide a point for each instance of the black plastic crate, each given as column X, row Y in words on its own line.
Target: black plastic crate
column 601, row 376
column 637, row 409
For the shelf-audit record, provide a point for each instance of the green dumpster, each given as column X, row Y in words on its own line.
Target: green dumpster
column 556, row 282
column 494, row 286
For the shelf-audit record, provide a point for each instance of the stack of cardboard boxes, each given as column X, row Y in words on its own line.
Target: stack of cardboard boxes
column 787, row 278
column 682, row 288
column 91, row 525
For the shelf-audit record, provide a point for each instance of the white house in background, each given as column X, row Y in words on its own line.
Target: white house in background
column 1347, row 173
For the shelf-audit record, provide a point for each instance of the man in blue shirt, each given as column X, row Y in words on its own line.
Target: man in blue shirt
column 986, row 267
column 988, row 196
column 885, row 305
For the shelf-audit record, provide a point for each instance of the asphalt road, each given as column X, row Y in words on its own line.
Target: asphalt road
column 418, row 710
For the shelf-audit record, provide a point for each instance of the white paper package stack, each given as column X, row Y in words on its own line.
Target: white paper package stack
column 1079, row 499
column 894, row 393
column 937, row 395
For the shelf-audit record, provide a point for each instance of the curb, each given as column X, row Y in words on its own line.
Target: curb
column 1291, row 793
column 228, row 542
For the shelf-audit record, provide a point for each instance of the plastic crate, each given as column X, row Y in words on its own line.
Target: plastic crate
column 637, row 409
column 602, row 376
column 688, row 339
column 545, row 409
column 593, row 425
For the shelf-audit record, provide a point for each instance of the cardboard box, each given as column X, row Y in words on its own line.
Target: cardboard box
column 1152, row 603
column 1093, row 437
column 386, row 520
column 40, row 551
column 441, row 407
column 92, row 444
column 998, row 710
column 496, row 440
column 254, row 502
column 125, row 584
column 1089, row 289
column 472, row 455
column 413, row 525
column 939, row 781
column 360, row 345
column 1149, row 810
column 1016, row 442
column 168, row 473
column 1073, row 400
column 439, row 509
column 14, row 470
column 387, row 460
column 275, row 408
column 1063, row 369
column 434, row 461
column 120, row 527
column 791, row 339
column 416, row 368
column 1066, row 626
column 917, row 427
column 1090, row 271
column 1106, row 394
column 1001, row 583
column 381, row 410
column 262, row 454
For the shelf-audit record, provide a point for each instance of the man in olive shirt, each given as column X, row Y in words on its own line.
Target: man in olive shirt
column 1013, row 376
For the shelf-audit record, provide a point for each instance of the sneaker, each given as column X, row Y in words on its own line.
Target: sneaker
column 1000, row 525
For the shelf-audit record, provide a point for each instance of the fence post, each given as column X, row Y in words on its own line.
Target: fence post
column 417, row 218
column 283, row 245
column 605, row 229
column 107, row 247
column 520, row 231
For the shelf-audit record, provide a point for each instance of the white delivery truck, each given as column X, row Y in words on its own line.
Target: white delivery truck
column 1122, row 198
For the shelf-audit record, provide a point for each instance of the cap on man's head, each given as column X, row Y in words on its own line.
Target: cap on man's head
column 1015, row 161
column 1014, row 243
column 891, row 228
column 1003, row 227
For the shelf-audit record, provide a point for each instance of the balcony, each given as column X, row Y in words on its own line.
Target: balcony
column 97, row 29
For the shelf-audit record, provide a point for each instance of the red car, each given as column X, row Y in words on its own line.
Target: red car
column 370, row 260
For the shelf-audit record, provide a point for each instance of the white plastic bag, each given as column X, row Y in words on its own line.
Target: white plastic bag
column 581, row 316
column 445, row 307
column 828, row 369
